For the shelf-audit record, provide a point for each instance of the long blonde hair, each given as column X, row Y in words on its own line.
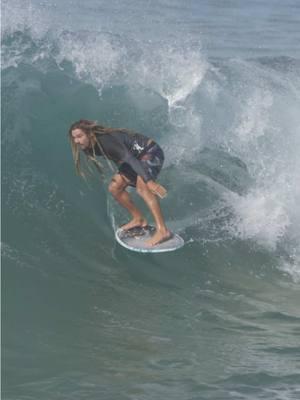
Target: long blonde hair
column 92, row 129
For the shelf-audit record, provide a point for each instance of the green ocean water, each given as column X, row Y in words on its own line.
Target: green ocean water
column 83, row 318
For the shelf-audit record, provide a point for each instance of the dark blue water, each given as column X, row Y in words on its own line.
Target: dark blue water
column 217, row 84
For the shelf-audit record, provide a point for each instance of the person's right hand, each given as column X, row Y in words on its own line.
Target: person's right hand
column 157, row 189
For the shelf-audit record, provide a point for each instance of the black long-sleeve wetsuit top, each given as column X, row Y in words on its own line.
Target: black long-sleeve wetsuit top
column 124, row 147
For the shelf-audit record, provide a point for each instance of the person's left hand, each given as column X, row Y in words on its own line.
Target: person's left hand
column 157, row 189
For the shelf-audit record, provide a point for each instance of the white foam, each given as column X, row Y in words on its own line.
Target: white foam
column 265, row 135
column 261, row 216
column 292, row 268
column 254, row 120
column 95, row 57
column 22, row 15
column 173, row 72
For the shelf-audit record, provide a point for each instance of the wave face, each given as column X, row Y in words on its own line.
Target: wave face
column 84, row 318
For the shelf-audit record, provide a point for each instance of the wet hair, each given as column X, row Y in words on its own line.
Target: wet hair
column 92, row 129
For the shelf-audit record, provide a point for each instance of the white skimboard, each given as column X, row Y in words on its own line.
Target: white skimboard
column 135, row 239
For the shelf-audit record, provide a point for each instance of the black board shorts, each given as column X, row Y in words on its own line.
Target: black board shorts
column 152, row 162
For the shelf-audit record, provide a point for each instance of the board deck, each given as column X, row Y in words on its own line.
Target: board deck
column 135, row 240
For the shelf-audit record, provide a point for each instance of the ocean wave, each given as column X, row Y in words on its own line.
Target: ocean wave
column 228, row 127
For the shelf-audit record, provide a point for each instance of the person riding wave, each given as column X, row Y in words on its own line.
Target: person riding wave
column 139, row 160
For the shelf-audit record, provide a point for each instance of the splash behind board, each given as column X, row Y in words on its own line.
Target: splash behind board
column 135, row 240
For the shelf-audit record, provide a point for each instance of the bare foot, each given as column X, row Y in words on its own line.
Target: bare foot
column 159, row 237
column 135, row 223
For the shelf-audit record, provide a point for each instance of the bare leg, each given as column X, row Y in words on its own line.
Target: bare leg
column 162, row 232
column 117, row 188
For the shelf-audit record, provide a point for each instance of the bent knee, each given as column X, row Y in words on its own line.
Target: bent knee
column 114, row 188
column 117, row 185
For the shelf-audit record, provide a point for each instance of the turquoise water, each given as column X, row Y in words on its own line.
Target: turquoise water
column 217, row 84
